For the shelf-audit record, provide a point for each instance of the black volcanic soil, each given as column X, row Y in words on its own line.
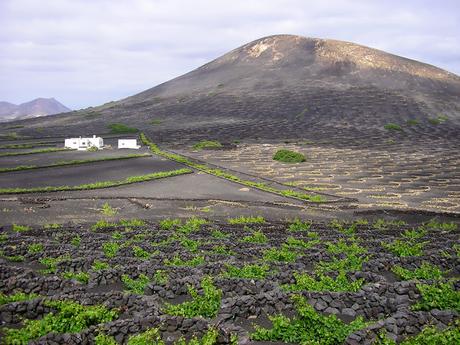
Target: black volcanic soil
column 383, row 300
column 86, row 173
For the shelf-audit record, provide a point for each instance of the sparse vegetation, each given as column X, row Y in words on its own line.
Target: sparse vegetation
column 438, row 296
column 120, row 128
column 425, row 271
column 207, row 145
column 246, row 220
column 108, row 210
column 72, row 162
column 22, row 153
column 97, row 185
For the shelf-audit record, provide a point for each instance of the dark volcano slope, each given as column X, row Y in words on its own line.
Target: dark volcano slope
column 284, row 87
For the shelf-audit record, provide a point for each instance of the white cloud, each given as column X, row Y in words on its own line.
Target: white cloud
column 87, row 52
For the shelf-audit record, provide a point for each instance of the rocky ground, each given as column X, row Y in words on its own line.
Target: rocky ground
column 243, row 273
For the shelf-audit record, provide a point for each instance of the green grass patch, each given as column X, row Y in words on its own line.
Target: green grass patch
column 298, row 225
column 246, row 220
column 393, row 127
column 8, row 154
column 207, row 145
column 98, row 185
column 20, row 228
column 287, row 156
column 412, row 122
column 120, row 128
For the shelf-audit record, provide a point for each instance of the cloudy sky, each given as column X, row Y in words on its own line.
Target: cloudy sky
column 88, row 52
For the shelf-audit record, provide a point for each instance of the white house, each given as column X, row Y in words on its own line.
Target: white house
column 84, row 143
column 128, row 144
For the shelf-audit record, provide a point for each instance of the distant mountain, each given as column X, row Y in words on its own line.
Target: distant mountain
column 282, row 87
column 37, row 107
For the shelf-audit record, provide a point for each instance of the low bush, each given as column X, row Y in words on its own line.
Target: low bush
column 136, row 286
column 287, row 156
column 69, row 317
column 205, row 305
column 309, row 327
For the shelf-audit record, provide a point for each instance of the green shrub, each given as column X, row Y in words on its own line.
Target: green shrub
column 191, row 225
column 118, row 128
column 219, row 234
column 393, row 127
column 256, row 237
column 298, row 225
column 70, row 317
column 295, row 243
column 425, row 271
column 132, row 223
column 20, row 228
column 309, row 327
column 207, row 144
column 287, row 156
column 177, row 261
column 76, row 241
column 100, row 265
column 102, row 224
column 108, row 210
column 248, row 271
column 438, row 296
column 306, row 282
column 136, row 286
column 82, row 277
column 110, row 249
column 35, row 248
column 149, row 337
column 138, row 252
column 103, row 339
column 404, row 247
column 435, row 225
column 206, row 305
column 16, row 297
column 161, row 277
column 51, row 263
column 169, row 224
column 285, row 254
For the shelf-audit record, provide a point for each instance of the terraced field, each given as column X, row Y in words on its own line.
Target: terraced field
column 243, row 280
column 391, row 175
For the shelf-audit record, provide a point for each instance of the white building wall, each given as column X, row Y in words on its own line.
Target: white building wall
column 128, row 144
column 84, row 143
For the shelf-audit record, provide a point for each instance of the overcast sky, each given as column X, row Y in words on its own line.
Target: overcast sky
column 88, row 52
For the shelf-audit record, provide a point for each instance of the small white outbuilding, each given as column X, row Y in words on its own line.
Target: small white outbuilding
column 84, row 143
column 128, row 144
